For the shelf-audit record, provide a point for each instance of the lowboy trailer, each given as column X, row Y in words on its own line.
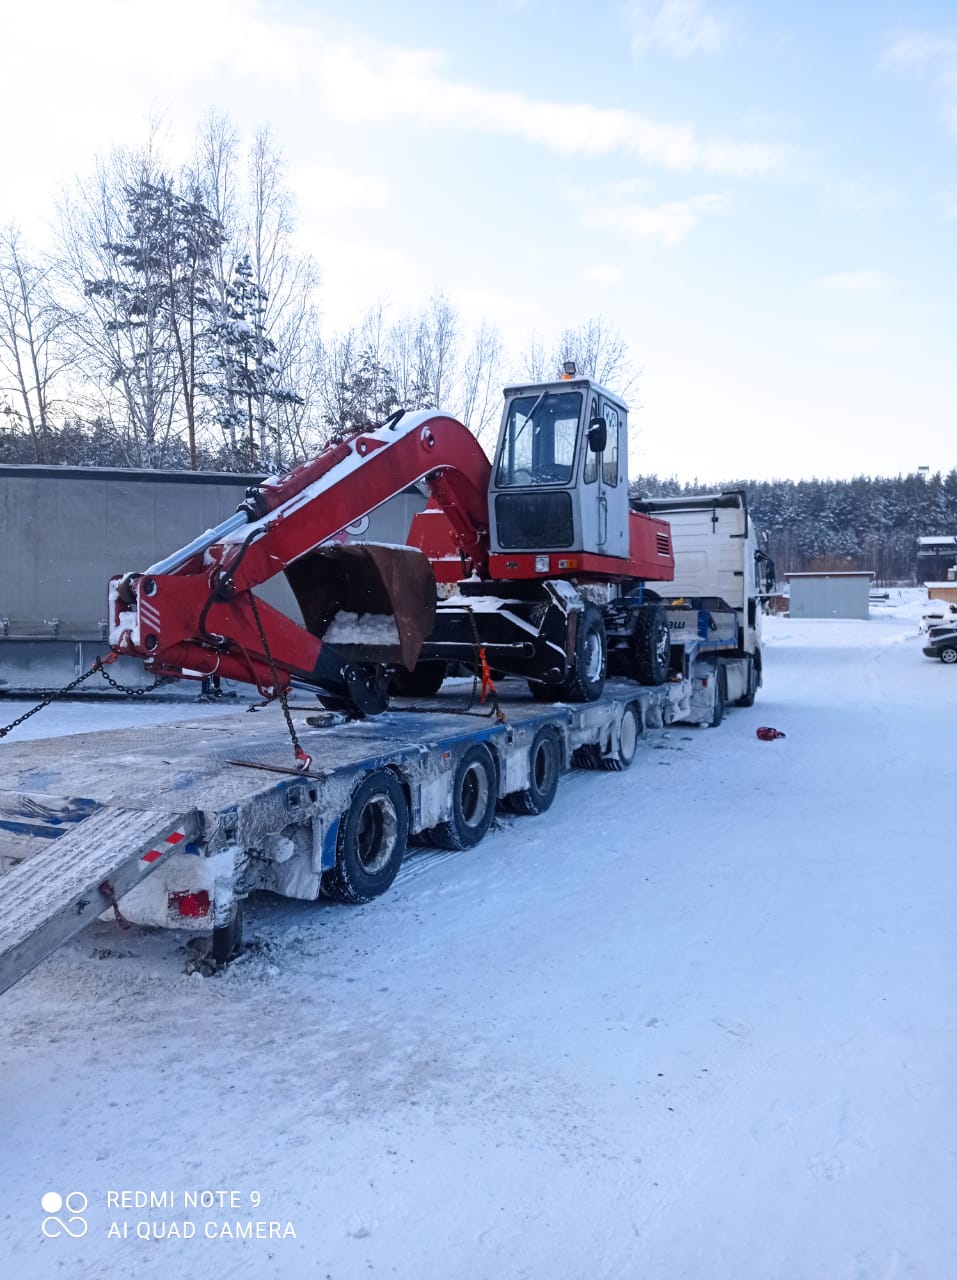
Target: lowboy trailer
column 177, row 826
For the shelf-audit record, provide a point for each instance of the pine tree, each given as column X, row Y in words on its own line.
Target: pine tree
column 248, row 389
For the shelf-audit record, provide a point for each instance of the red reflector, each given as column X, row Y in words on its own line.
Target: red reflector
column 192, row 905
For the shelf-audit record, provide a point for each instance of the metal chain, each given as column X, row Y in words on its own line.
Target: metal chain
column 128, row 689
column 99, row 665
column 303, row 761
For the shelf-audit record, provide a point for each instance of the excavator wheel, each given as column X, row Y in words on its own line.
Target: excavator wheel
column 546, row 692
column 585, row 681
column 424, row 680
column 652, row 645
column 587, row 678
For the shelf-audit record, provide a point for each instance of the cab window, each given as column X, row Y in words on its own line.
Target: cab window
column 590, row 472
column 609, row 459
column 538, row 445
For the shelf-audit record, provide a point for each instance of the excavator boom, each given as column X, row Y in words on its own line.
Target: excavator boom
column 195, row 613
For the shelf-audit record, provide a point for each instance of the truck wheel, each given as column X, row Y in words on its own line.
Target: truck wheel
column 720, row 697
column 754, row 679
column 948, row 655
column 422, row 681
column 474, row 791
column 652, row 646
column 371, row 842
column 629, row 731
column 587, row 678
column 544, row 770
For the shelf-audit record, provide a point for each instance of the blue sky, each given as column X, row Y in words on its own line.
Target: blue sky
column 761, row 198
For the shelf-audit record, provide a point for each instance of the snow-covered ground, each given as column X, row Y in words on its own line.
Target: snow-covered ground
column 698, row 1021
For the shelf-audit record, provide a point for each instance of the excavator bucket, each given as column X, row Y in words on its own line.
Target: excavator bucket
column 364, row 583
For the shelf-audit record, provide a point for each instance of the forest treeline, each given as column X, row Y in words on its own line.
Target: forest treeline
column 865, row 523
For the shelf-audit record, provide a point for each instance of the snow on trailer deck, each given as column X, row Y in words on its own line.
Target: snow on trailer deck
column 245, row 816
column 696, row 1020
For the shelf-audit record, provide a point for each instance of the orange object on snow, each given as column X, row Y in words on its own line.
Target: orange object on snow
column 767, row 734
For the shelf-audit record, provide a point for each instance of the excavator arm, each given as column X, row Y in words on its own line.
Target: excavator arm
column 196, row 614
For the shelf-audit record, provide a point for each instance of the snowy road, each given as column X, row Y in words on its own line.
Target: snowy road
column 698, row 1021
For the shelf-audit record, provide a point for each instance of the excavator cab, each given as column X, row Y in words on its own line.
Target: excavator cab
column 559, row 480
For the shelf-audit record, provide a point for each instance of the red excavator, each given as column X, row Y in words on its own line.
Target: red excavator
column 532, row 565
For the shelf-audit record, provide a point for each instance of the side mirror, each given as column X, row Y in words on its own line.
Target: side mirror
column 597, row 435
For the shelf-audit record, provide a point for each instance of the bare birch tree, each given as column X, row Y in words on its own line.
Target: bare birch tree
column 120, row 332
column 32, row 330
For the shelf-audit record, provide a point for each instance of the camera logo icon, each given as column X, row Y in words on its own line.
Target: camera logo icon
column 73, row 1205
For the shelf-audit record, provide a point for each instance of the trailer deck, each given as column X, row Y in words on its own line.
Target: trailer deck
column 213, row 808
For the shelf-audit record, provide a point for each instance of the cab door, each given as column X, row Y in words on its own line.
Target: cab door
column 604, row 489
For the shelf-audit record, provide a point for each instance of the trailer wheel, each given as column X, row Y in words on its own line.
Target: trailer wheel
column 371, row 841
column 544, row 770
column 422, row 681
column 652, row 645
column 629, row 731
column 227, row 941
column 474, row 792
column 720, row 697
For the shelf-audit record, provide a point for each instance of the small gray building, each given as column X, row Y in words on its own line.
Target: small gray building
column 843, row 594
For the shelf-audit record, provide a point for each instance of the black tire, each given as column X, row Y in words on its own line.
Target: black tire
column 587, row 677
column 544, row 771
column 474, row 792
column 424, row 680
column 948, row 654
column 588, row 756
column 546, row 692
column 754, row 680
column 227, row 940
column 652, row 645
column 629, row 731
column 373, row 833
column 720, row 697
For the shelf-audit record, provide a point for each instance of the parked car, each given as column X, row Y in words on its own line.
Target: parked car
column 942, row 643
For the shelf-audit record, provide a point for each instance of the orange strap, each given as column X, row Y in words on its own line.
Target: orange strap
column 488, row 684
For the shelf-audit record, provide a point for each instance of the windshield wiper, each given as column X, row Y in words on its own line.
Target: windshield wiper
column 528, row 417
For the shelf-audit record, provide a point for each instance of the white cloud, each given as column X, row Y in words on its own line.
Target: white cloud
column 246, row 41
column 396, row 84
column 935, row 55
column 668, row 222
column 326, row 188
column 854, row 282
column 684, row 28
